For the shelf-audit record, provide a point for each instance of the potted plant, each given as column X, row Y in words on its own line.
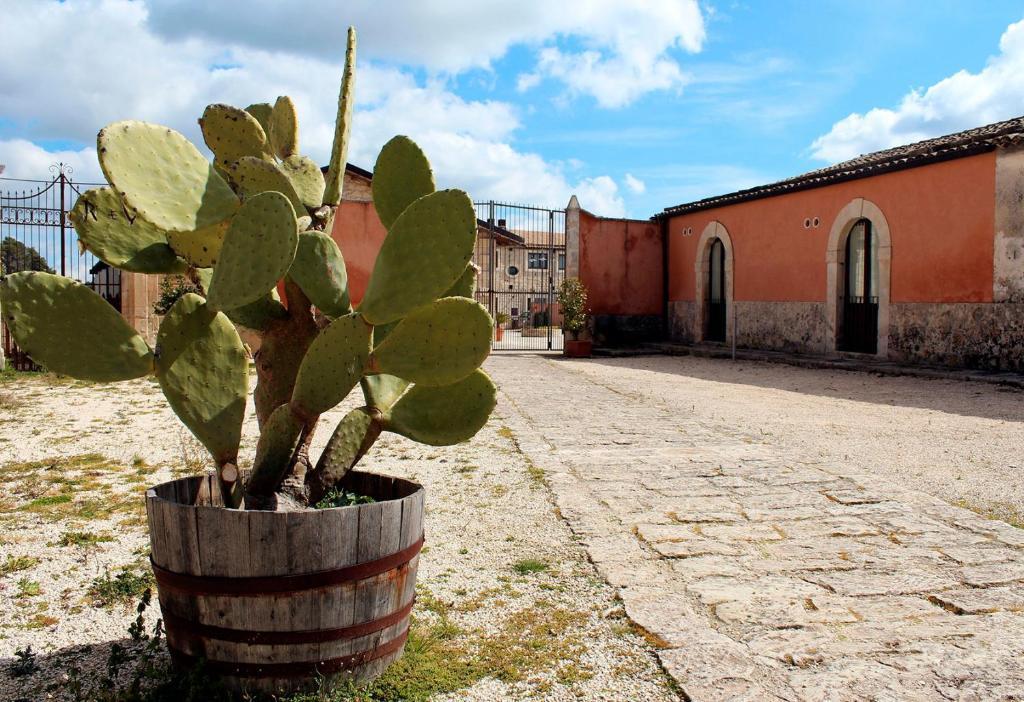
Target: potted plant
column 500, row 320
column 572, row 298
column 263, row 574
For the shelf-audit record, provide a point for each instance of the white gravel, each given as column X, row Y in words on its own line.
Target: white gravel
column 487, row 509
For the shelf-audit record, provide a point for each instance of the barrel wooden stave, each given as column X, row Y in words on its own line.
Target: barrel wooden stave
column 200, row 539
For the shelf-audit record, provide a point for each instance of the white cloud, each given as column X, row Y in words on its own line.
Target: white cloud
column 123, row 68
column 634, row 184
column 961, row 101
column 624, row 54
column 626, row 49
column 23, row 159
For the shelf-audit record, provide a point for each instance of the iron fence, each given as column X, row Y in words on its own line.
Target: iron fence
column 520, row 250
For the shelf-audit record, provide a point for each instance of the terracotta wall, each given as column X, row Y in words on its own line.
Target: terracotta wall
column 359, row 234
column 621, row 265
column 940, row 216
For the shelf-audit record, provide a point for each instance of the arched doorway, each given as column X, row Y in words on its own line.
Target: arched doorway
column 859, row 328
column 716, row 293
column 714, row 277
column 859, row 263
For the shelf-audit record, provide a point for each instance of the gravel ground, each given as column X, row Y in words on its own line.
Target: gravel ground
column 959, row 441
column 559, row 629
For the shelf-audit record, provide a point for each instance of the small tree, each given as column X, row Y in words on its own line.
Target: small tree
column 171, row 288
column 572, row 296
column 16, row 256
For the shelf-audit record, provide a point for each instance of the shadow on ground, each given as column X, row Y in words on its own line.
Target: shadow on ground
column 967, row 398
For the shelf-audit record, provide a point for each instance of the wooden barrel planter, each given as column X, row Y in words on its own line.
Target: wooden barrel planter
column 273, row 601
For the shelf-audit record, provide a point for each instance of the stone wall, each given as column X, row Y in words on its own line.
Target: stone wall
column 969, row 335
column 357, row 188
column 796, row 327
column 1008, row 254
column 682, row 321
column 626, row 329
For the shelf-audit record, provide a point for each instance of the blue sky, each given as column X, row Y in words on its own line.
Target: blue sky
column 633, row 106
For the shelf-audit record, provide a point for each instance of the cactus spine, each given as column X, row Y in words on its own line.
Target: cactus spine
column 259, row 214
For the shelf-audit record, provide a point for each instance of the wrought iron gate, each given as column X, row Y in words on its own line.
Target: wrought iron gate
column 521, row 254
column 35, row 235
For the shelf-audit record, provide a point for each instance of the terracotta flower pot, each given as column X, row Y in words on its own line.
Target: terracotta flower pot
column 578, row 348
column 499, row 332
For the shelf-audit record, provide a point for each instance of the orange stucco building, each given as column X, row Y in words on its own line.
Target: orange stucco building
column 914, row 254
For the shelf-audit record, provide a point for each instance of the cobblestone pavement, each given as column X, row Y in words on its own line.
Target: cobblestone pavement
column 768, row 575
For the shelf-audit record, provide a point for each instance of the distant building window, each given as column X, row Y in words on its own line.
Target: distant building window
column 537, row 260
column 561, row 262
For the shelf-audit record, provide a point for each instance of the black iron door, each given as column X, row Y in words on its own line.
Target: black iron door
column 860, row 299
column 716, row 293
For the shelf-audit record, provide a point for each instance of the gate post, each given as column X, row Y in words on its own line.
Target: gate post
column 490, row 259
column 63, row 224
column 572, row 238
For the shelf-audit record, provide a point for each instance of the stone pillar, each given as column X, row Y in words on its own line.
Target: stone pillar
column 139, row 293
column 572, row 238
column 1008, row 260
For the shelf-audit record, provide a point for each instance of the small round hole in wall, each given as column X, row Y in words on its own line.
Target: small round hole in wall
column 807, row 223
column 816, row 222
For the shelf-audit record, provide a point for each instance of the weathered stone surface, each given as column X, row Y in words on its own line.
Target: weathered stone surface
column 979, row 554
column 814, row 582
column 993, row 574
column 981, row 600
column 789, row 612
column 880, row 582
column 964, row 334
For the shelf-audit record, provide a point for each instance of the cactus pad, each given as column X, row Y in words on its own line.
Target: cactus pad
column 261, row 111
column 437, row 344
column 258, row 250
column 163, row 177
column 334, row 363
column 381, row 391
column 441, row 416
column 203, row 371
column 258, row 315
column 253, row 176
column 278, row 437
column 351, row 439
column 306, row 178
column 200, row 248
column 131, row 244
column 68, row 329
column 335, row 180
column 232, row 133
column 465, row 286
column 319, row 270
column 284, row 128
column 401, row 176
column 424, row 253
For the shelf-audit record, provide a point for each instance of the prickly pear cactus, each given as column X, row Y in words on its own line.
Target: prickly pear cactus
column 254, row 220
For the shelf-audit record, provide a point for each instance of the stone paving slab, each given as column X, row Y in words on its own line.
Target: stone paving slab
column 765, row 574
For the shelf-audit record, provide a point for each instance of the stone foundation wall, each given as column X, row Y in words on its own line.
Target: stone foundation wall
column 967, row 335
column 682, row 321
column 626, row 329
column 796, row 327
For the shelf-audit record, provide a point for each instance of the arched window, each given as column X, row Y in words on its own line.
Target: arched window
column 716, row 292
